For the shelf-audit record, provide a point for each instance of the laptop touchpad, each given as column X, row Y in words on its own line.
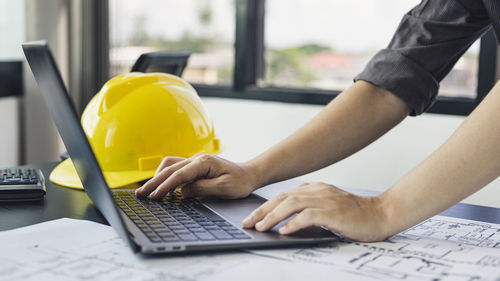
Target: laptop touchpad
column 237, row 210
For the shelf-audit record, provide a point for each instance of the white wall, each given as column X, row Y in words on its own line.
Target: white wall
column 249, row 127
column 12, row 35
column 11, row 29
column 9, row 132
column 45, row 20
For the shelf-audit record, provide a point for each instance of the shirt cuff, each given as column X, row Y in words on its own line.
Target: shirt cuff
column 403, row 77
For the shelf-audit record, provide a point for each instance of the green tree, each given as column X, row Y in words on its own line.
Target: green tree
column 205, row 14
column 312, row 48
column 288, row 66
column 187, row 42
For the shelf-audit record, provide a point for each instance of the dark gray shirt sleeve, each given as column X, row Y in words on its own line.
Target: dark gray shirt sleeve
column 428, row 42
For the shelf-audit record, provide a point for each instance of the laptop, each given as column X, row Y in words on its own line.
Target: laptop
column 170, row 225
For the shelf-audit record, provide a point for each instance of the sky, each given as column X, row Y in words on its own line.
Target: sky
column 343, row 24
column 353, row 25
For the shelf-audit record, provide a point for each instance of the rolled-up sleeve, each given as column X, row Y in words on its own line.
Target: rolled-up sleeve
column 427, row 44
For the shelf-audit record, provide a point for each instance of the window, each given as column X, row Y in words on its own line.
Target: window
column 205, row 28
column 301, row 51
column 462, row 79
column 324, row 44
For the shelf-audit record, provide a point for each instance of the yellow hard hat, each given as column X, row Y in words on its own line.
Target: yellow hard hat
column 136, row 120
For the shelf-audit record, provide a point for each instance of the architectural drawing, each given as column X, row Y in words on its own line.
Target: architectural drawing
column 82, row 250
column 441, row 248
column 112, row 260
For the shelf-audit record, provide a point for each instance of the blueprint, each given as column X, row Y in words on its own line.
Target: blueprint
column 79, row 250
column 440, row 248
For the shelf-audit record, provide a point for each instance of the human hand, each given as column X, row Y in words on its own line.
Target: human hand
column 356, row 217
column 201, row 175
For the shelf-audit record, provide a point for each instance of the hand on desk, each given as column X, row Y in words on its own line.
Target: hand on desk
column 356, row 217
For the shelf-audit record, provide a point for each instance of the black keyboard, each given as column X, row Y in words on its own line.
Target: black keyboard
column 176, row 219
column 19, row 176
column 19, row 184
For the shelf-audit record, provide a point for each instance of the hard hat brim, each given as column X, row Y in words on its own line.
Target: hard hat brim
column 64, row 174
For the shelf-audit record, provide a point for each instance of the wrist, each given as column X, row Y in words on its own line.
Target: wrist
column 257, row 173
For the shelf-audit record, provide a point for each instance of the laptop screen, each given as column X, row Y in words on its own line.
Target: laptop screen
column 63, row 113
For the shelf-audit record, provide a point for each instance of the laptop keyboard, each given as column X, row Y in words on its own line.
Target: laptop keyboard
column 176, row 219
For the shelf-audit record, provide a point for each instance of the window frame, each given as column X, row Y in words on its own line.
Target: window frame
column 249, row 69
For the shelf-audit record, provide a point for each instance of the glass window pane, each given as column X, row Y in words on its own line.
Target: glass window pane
column 324, row 44
column 205, row 28
column 462, row 79
column 12, row 28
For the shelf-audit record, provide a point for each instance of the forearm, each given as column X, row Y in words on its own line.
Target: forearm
column 354, row 119
column 467, row 161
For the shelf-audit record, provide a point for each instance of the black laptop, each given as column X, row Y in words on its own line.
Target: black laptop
column 172, row 224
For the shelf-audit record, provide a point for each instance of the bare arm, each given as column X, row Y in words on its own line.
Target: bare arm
column 357, row 117
column 467, row 161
